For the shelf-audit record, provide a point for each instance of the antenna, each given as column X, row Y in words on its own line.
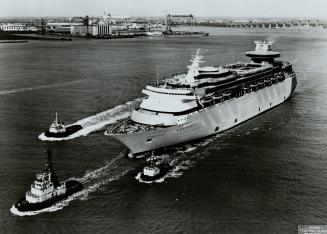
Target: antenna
column 152, row 158
column 54, row 177
column 49, row 158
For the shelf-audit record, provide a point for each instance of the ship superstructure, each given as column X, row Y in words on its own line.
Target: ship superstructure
column 46, row 185
column 206, row 100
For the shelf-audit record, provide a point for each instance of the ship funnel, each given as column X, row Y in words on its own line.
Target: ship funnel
column 263, row 45
column 263, row 52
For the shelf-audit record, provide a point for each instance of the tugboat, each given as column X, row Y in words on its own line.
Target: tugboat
column 155, row 170
column 47, row 190
column 60, row 130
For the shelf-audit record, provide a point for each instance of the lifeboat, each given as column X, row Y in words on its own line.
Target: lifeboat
column 253, row 87
column 267, row 82
column 206, row 99
column 217, row 96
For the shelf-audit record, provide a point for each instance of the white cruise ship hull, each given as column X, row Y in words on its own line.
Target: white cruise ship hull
column 210, row 120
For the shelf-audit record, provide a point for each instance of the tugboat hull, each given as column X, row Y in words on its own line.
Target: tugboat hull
column 164, row 169
column 73, row 186
column 69, row 131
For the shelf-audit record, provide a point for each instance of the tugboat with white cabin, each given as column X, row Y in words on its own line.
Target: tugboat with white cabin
column 60, row 130
column 155, row 171
column 47, row 190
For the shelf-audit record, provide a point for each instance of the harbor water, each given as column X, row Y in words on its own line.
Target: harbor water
column 268, row 175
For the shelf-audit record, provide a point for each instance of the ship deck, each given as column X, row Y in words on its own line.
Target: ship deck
column 129, row 126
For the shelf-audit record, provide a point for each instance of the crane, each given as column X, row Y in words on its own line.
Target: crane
column 169, row 19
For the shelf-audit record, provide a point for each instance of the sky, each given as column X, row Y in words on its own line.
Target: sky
column 200, row 8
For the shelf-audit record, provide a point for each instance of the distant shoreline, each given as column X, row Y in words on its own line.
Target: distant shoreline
column 12, row 37
column 13, row 41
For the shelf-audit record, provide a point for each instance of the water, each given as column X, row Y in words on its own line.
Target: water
column 265, row 176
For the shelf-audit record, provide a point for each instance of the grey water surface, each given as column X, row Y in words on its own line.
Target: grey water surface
column 268, row 175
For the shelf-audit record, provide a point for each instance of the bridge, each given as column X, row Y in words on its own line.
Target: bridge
column 299, row 24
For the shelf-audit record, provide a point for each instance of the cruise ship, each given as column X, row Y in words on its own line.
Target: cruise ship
column 206, row 100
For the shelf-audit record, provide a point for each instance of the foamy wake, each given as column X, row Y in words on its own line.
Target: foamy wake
column 185, row 161
column 92, row 181
column 99, row 121
column 176, row 172
column 180, row 161
column 19, row 90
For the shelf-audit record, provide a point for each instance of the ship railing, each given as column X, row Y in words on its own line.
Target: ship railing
column 161, row 85
column 121, row 127
column 247, row 87
column 128, row 126
column 115, row 127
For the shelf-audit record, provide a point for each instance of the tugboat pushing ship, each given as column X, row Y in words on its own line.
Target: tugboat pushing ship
column 60, row 130
column 206, row 100
column 47, row 190
column 155, row 171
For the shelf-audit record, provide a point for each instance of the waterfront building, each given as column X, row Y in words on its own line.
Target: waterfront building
column 94, row 30
column 61, row 27
column 12, row 27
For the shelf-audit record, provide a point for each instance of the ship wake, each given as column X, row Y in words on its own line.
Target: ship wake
column 187, row 156
column 99, row 121
column 37, row 87
column 181, row 160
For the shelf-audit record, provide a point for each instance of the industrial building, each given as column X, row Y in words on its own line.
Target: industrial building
column 94, row 30
column 61, row 27
column 12, row 27
column 17, row 28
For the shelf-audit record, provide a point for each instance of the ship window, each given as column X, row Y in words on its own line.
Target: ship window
column 235, row 120
column 216, row 129
column 270, row 104
column 148, row 140
column 259, row 108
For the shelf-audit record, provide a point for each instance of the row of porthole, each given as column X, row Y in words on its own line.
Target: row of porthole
column 235, row 121
column 216, row 129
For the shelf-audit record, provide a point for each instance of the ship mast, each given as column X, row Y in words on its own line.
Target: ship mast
column 56, row 119
column 49, row 160
column 49, row 166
